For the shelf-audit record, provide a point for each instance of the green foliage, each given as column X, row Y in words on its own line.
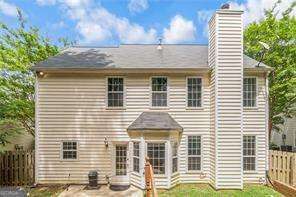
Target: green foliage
column 20, row 48
column 279, row 32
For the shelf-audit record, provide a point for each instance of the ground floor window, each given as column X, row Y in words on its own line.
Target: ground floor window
column 69, row 150
column 156, row 153
column 249, row 153
column 174, row 157
column 136, row 157
column 194, row 153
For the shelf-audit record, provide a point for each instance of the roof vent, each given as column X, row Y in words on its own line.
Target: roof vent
column 225, row 6
column 159, row 47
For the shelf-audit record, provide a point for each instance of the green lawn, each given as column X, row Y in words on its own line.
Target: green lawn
column 188, row 190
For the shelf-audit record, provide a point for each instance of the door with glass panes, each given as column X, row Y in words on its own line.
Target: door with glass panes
column 120, row 164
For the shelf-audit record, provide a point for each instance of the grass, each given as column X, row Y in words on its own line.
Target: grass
column 46, row 191
column 190, row 190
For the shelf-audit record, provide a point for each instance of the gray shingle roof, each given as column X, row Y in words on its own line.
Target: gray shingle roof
column 155, row 121
column 133, row 56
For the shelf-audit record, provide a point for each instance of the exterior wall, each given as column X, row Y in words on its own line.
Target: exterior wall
column 72, row 107
column 212, row 62
column 226, row 27
column 254, row 123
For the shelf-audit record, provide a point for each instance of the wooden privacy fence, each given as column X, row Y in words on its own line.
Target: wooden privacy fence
column 283, row 167
column 17, row 168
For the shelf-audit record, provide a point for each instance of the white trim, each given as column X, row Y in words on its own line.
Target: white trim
column 167, row 92
column 266, row 123
column 142, row 159
column 202, row 91
column 36, row 130
column 241, row 101
column 106, row 93
column 61, row 150
column 257, row 93
column 201, row 155
column 216, row 107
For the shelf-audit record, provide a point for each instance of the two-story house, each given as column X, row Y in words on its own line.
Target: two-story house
column 198, row 112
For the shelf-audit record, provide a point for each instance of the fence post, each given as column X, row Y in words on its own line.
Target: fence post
column 148, row 178
column 293, row 169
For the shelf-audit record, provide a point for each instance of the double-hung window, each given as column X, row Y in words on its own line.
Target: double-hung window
column 159, row 91
column 249, row 92
column 249, row 153
column 156, row 154
column 136, row 157
column 174, row 157
column 115, row 92
column 194, row 153
column 194, row 85
column 69, row 150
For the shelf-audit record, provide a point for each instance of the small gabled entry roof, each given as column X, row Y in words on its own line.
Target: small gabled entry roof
column 155, row 121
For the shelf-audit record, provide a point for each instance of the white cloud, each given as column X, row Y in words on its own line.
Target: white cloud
column 203, row 17
column 180, row 30
column 46, row 2
column 254, row 9
column 94, row 23
column 135, row 6
column 8, row 9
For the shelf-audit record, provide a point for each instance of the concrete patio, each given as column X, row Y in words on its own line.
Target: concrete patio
column 103, row 191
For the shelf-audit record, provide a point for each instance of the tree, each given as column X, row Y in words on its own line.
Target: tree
column 20, row 48
column 279, row 33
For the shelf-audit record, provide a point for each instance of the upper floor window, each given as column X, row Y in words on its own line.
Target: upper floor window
column 159, row 91
column 194, row 85
column 249, row 91
column 194, row 153
column 249, row 153
column 115, row 92
column 69, row 150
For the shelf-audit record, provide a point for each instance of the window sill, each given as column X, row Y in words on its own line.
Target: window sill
column 195, row 108
column 159, row 108
column 194, row 172
column 250, row 108
column 68, row 160
column 160, row 175
column 250, row 172
column 116, row 108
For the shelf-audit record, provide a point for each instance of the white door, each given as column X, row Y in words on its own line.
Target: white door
column 120, row 164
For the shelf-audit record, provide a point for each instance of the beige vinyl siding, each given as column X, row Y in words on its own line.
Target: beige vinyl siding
column 212, row 63
column 228, row 99
column 72, row 107
column 254, row 123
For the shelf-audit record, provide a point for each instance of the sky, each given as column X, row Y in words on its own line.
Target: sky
column 114, row 22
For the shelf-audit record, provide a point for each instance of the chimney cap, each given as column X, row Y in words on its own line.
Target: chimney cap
column 225, row 6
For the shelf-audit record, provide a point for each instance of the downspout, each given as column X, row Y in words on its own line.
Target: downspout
column 267, row 126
